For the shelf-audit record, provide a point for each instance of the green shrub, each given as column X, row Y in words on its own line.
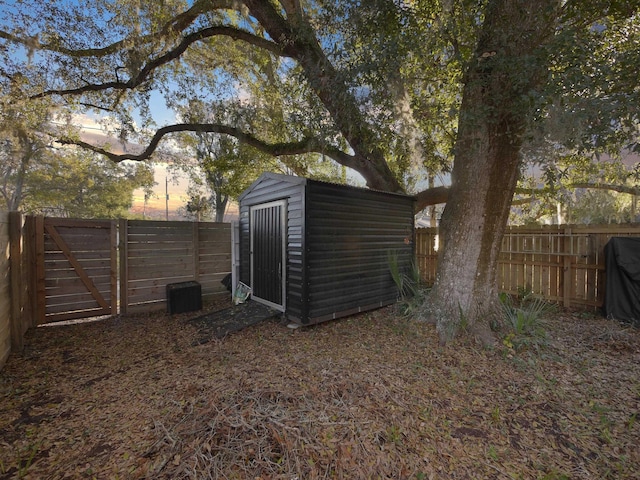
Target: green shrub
column 411, row 288
column 525, row 320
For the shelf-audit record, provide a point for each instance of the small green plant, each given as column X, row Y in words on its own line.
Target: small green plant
column 631, row 421
column 602, row 412
column 394, row 434
column 411, row 289
column 605, row 435
column 508, row 340
column 492, row 453
column 495, row 415
column 525, row 319
column 525, row 293
column 25, row 463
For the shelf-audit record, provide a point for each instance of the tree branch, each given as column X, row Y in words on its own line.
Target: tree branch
column 293, row 8
column 299, row 41
column 631, row 190
column 307, row 145
column 607, row 186
column 147, row 70
column 431, row 196
column 177, row 24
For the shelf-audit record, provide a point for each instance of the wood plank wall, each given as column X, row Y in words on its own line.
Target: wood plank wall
column 156, row 253
column 15, row 302
column 5, row 289
column 564, row 264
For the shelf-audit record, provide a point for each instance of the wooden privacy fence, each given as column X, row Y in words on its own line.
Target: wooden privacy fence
column 55, row 269
column 565, row 264
column 154, row 254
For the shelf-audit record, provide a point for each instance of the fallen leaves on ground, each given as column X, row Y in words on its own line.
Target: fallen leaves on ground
column 369, row 396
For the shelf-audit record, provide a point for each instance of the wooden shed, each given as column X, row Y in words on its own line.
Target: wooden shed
column 318, row 251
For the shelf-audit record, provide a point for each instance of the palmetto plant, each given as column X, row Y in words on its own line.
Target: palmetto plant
column 411, row 288
column 525, row 317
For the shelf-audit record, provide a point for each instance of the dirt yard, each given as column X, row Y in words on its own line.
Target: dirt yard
column 370, row 396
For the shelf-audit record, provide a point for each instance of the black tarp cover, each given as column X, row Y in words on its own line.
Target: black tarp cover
column 622, row 293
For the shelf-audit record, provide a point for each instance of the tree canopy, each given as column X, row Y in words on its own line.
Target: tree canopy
column 38, row 176
column 224, row 167
column 78, row 185
column 376, row 86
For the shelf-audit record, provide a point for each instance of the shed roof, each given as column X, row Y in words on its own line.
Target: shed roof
column 294, row 180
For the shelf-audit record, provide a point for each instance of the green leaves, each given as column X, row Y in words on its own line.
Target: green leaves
column 79, row 185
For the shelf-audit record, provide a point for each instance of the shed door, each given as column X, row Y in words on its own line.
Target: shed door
column 268, row 254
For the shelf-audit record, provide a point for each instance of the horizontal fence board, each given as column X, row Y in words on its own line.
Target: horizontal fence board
column 157, row 250
column 150, row 292
column 219, row 264
column 59, row 275
column 70, row 286
column 218, row 240
column 213, row 281
column 64, row 264
column 79, row 244
column 157, row 225
column 168, row 259
column 175, row 271
column 83, row 303
column 156, row 281
column 74, row 315
column 81, row 257
column 215, row 248
column 76, row 222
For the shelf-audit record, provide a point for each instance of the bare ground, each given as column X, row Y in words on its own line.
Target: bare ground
column 370, row 396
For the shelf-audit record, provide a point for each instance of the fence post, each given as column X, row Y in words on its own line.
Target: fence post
column 29, row 301
column 113, row 240
column 124, row 267
column 15, row 279
column 39, row 305
column 567, row 282
column 196, row 250
column 235, row 256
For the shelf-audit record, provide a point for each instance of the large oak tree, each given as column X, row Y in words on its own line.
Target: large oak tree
column 386, row 88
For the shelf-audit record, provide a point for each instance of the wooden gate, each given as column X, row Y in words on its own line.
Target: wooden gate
column 75, row 268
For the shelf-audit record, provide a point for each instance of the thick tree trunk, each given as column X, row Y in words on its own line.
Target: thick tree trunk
column 509, row 65
column 473, row 222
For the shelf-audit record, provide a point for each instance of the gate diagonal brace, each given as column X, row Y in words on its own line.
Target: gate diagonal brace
column 56, row 237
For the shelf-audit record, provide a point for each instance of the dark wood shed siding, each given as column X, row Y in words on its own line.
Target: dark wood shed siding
column 267, row 189
column 350, row 235
column 339, row 240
